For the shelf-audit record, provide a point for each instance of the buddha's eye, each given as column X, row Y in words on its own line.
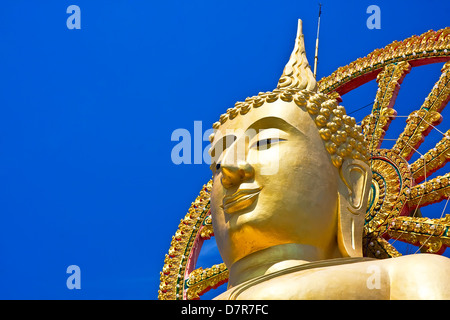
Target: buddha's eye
column 265, row 144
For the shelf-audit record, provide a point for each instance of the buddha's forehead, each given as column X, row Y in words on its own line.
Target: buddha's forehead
column 266, row 115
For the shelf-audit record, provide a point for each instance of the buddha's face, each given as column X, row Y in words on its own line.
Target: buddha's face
column 274, row 182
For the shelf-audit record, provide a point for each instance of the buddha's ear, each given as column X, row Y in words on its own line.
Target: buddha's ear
column 354, row 186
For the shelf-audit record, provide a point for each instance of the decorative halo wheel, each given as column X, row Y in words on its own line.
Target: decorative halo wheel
column 399, row 188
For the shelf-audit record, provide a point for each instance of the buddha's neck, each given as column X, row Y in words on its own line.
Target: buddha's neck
column 275, row 258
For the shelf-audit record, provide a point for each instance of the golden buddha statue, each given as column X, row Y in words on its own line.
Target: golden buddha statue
column 291, row 185
column 303, row 200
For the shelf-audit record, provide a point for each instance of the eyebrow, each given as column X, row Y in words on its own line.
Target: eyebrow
column 275, row 123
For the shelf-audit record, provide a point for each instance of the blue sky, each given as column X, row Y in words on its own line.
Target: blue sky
column 86, row 118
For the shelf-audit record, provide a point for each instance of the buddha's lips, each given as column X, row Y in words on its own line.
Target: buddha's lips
column 239, row 200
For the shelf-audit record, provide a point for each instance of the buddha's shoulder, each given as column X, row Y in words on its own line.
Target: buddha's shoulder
column 418, row 276
column 415, row 276
column 416, row 262
column 421, row 276
column 424, row 265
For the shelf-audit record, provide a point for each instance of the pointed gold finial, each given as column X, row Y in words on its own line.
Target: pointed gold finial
column 297, row 73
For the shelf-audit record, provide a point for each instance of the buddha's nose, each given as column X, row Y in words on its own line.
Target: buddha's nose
column 233, row 175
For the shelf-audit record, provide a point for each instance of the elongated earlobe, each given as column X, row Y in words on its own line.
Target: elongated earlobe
column 353, row 191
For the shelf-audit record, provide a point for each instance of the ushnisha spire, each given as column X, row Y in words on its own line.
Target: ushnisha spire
column 297, row 73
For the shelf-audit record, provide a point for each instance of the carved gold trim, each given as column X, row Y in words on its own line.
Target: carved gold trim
column 431, row 45
column 173, row 274
column 376, row 123
column 431, row 234
column 419, row 122
column 206, row 232
column 430, row 192
column 200, row 280
column 392, row 179
column 432, row 160
column 379, row 248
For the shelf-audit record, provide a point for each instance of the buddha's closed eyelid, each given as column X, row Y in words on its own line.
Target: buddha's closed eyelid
column 266, row 143
column 268, row 137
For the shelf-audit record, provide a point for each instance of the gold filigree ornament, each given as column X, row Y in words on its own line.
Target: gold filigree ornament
column 399, row 188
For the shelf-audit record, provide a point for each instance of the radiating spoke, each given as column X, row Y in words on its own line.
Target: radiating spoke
column 429, row 192
column 433, row 160
column 432, row 234
column 420, row 122
column 376, row 124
